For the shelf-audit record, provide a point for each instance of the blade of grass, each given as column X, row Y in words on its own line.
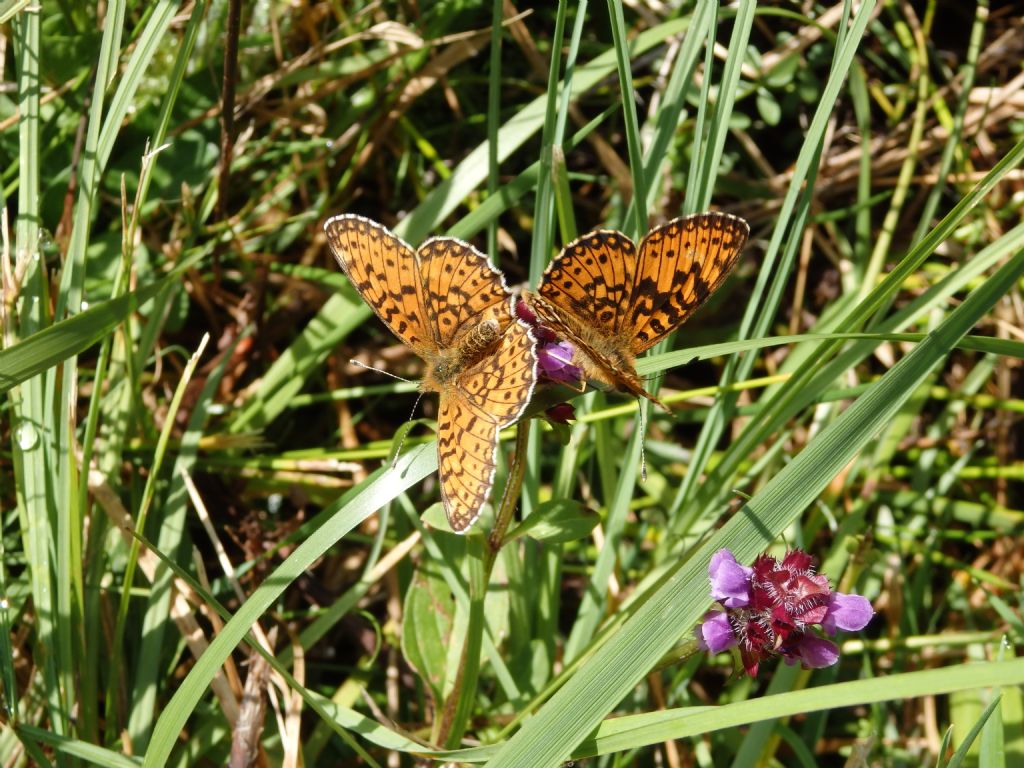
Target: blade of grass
column 117, row 642
column 172, row 539
column 724, row 101
column 761, row 309
column 74, row 748
column 32, row 424
column 673, row 102
column 494, row 117
column 967, row 73
column 42, row 350
column 471, row 172
column 540, row 246
column 633, row 731
column 813, row 375
column 623, row 64
column 336, row 320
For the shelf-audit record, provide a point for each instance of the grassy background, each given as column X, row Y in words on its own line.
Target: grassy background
column 176, row 363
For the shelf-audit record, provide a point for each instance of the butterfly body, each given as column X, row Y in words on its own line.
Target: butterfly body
column 444, row 367
column 614, row 301
column 452, row 307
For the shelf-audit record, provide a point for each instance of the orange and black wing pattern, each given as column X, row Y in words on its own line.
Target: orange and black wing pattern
column 450, row 305
column 483, row 393
column 680, row 264
column 461, row 287
column 383, row 269
column 614, row 301
column 593, row 280
column 488, row 396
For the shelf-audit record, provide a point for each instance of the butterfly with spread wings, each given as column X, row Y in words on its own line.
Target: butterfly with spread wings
column 452, row 307
column 614, row 301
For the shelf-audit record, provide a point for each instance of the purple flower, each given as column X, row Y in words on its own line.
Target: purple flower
column 777, row 608
column 554, row 362
column 554, row 357
column 730, row 581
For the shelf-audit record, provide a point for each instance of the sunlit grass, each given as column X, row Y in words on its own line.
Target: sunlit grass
column 851, row 390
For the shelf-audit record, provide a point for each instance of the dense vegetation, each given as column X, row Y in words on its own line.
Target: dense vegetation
column 196, row 474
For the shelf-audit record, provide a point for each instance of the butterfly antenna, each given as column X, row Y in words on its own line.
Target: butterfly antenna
column 653, row 377
column 405, row 432
column 643, row 435
column 381, row 370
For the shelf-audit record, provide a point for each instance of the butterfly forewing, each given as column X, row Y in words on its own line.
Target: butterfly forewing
column 679, row 266
column 382, row 268
column 462, row 288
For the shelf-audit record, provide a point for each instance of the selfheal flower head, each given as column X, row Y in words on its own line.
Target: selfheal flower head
column 554, row 355
column 554, row 362
column 777, row 608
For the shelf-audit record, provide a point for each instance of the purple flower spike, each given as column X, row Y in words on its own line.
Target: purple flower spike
column 554, row 362
column 777, row 608
column 850, row 613
column 715, row 634
column 730, row 581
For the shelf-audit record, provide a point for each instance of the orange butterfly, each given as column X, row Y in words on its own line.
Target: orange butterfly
column 614, row 301
column 450, row 305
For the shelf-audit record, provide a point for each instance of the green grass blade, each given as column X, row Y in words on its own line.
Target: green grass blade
column 50, row 346
column 33, row 430
column 633, row 731
column 471, row 172
column 623, row 64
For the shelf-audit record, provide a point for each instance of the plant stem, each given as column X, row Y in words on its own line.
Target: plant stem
column 459, row 702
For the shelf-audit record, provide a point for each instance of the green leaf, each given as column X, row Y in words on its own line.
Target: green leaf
column 67, row 338
column 783, row 73
column 428, row 617
column 768, row 107
column 557, row 521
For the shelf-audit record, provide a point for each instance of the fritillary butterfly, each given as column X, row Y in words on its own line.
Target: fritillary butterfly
column 614, row 301
column 452, row 307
